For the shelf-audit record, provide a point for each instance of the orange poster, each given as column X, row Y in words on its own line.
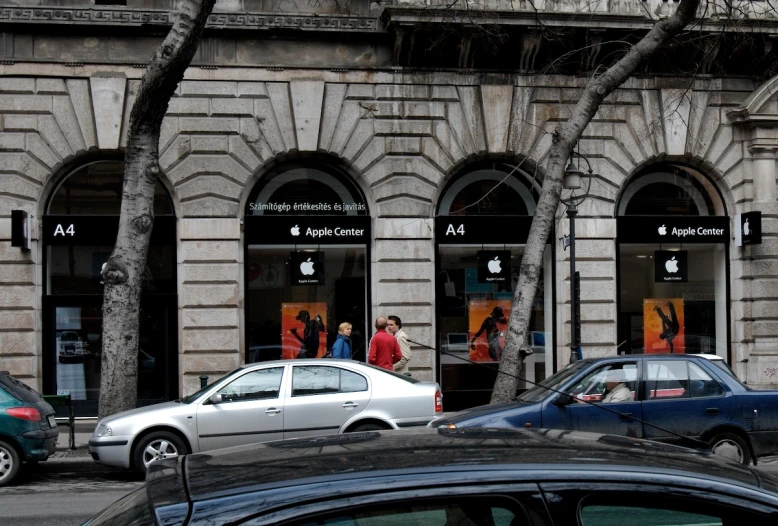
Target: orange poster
column 304, row 330
column 488, row 325
column 663, row 331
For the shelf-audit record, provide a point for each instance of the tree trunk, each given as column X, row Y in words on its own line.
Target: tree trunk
column 123, row 272
column 565, row 138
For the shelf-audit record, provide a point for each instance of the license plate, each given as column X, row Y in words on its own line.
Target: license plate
column 52, row 421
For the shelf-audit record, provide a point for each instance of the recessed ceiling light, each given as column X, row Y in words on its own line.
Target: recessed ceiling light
column 641, row 256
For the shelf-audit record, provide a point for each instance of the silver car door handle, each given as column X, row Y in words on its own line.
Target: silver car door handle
column 272, row 411
column 350, row 405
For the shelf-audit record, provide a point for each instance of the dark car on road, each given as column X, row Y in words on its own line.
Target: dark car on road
column 447, row 477
column 671, row 398
column 28, row 431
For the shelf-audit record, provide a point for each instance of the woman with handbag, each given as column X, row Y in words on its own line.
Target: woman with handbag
column 341, row 349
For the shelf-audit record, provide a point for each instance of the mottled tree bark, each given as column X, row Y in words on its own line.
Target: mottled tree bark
column 123, row 272
column 565, row 138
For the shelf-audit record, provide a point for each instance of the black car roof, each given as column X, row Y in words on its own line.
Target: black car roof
column 281, row 463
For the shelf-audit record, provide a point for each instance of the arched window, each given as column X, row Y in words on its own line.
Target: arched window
column 490, row 188
column 673, row 239
column 79, row 232
column 484, row 216
column 307, row 233
column 300, row 189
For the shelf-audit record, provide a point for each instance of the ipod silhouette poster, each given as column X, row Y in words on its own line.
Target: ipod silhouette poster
column 304, row 330
column 487, row 328
column 663, row 326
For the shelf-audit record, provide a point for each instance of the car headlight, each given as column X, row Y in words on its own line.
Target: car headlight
column 448, row 426
column 103, row 430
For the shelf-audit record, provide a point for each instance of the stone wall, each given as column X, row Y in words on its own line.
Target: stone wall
column 404, row 135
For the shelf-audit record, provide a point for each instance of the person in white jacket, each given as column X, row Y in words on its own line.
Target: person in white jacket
column 394, row 326
column 616, row 390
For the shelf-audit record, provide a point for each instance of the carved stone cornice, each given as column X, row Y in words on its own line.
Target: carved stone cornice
column 145, row 17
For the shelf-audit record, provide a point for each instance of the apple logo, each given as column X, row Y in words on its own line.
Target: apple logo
column 306, row 267
column 662, row 230
column 494, row 265
column 746, row 230
column 671, row 265
column 295, row 230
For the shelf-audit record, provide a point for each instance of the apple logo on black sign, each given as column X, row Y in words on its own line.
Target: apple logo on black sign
column 306, row 267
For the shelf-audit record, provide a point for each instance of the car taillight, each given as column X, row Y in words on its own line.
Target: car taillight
column 438, row 402
column 25, row 413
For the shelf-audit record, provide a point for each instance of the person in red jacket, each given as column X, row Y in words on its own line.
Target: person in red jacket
column 384, row 349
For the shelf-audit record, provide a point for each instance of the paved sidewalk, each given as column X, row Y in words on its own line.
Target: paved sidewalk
column 79, row 459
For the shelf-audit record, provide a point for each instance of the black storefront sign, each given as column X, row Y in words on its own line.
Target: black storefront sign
column 748, row 229
column 99, row 230
column 482, row 230
column 673, row 229
column 307, row 230
column 494, row 266
column 307, row 268
column 671, row 266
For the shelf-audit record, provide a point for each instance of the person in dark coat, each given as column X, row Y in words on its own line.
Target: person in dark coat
column 342, row 347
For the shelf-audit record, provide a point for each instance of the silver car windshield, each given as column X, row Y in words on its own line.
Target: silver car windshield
column 555, row 381
column 192, row 397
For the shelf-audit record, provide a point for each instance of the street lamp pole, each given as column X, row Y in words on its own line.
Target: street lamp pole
column 572, row 182
column 572, row 211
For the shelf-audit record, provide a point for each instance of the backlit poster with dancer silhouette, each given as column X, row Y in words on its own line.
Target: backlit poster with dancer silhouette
column 663, row 329
column 488, row 326
column 303, row 329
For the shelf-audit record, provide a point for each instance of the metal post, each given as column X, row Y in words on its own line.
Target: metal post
column 203, row 380
column 572, row 211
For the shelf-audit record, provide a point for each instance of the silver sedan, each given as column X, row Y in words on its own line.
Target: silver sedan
column 267, row 401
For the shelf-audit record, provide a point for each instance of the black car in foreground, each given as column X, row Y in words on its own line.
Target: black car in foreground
column 447, row 477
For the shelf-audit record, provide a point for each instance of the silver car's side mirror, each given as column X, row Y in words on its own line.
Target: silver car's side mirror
column 215, row 398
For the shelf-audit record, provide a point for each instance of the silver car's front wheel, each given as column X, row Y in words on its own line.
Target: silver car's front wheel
column 157, row 446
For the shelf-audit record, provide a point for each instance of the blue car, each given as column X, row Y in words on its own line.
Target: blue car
column 669, row 398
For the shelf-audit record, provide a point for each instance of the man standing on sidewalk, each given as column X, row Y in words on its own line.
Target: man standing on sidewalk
column 394, row 326
column 384, row 349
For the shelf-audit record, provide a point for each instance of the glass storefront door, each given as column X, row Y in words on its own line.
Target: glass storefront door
column 473, row 323
column 79, row 231
column 288, row 319
column 73, row 348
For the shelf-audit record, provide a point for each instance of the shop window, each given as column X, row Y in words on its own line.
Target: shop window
column 482, row 227
column 79, row 231
column 673, row 249
column 307, row 231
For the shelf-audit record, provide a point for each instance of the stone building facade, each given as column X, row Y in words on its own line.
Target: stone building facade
column 278, row 96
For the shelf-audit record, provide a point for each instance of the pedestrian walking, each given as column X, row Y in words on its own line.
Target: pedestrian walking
column 394, row 326
column 342, row 347
column 384, row 349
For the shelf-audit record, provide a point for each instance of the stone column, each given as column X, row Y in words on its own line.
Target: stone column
column 596, row 262
column 403, row 284
column 755, row 331
column 763, row 162
column 210, row 299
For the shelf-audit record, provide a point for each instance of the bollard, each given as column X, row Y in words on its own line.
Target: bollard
column 203, row 380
